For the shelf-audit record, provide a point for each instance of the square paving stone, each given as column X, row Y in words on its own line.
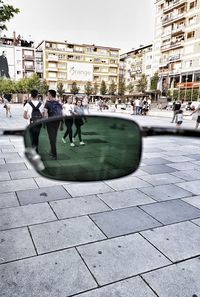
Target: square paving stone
column 43, row 182
column 78, row 206
column 177, row 159
column 165, row 192
column 9, row 155
column 42, row 195
column 187, row 175
column 12, row 167
column 124, row 221
column 23, row 174
column 8, row 200
column 122, row 257
column 133, row 287
column 156, row 169
column 25, row 215
column 124, row 199
column 192, row 186
column 180, row 280
column 82, row 189
column 184, row 166
column 17, row 185
column 194, row 156
column 173, row 211
column 64, row 234
column 15, row 244
column 161, row 179
column 173, row 241
column 4, row 176
column 126, row 183
column 154, row 161
column 195, row 201
column 57, row 274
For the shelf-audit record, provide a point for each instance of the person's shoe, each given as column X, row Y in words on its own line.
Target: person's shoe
column 73, row 139
column 72, row 144
column 82, row 143
column 53, row 157
column 63, row 140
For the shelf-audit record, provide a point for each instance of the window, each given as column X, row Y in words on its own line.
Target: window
column 197, row 77
column 192, row 20
column 190, row 34
column 193, row 4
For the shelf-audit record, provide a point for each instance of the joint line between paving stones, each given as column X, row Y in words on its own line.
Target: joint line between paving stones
column 67, row 192
column 18, row 198
column 148, row 285
column 194, row 223
column 191, row 204
column 98, row 226
column 53, row 210
column 150, row 214
column 32, row 240
column 104, row 202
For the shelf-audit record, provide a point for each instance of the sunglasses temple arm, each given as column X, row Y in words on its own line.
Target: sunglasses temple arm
column 159, row 131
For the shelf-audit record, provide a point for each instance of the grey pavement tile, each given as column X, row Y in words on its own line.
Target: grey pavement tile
column 15, row 244
column 177, row 159
column 2, row 161
column 9, row 155
column 12, row 167
column 45, row 182
column 6, row 148
column 78, row 206
column 25, row 215
column 4, row 176
column 57, row 274
column 197, row 222
column 195, row 201
column 42, row 195
column 187, row 175
column 133, row 287
column 82, row 189
column 194, row 156
column 124, row 199
column 161, row 179
column 156, row 169
column 154, row 161
column 23, row 174
column 8, row 200
column 10, row 149
column 173, row 211
column 139, row 172
column 180, row 280
column 15, row 160
column 165, row 192
column 64, row 234
column 192, row 186
column 17, row 185
column 126, row 183
column 124, row 221
column 122, row 257
column 173, row 241
column 184, row 166
column 153, row 155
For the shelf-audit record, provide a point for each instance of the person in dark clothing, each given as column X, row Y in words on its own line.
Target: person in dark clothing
column 176, row 107
column 4, row 69
column 52, row 128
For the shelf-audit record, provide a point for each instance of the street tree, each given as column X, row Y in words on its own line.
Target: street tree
column 44, row 87
column 95, row 88
column 74, row 89
column 130, row 88
column 60, row 90
column 6, row 13
column 88, row 88
column 121, row 87
column 142, row 84
column 103, row 88
column 154, row 82
column 112, row 88
column 6, row 86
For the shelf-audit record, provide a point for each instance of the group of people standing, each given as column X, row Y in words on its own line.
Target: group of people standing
column 34, row 110
column 141, row 106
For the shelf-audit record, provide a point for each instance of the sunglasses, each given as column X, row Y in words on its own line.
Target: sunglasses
column 104, row 148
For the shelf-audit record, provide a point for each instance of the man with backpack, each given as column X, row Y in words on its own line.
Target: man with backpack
column 52, row 108
column 33, row 112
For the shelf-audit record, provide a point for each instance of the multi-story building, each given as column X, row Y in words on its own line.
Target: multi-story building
column 177, row 44
column 17, row 57
column 66, row 62
column 135, row 63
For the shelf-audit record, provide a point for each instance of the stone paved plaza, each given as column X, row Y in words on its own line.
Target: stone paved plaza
column 137, row 236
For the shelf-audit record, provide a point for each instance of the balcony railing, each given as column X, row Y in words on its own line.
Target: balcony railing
column 28, row 57
column 172, row 18
column 177, row 30
column 173, row 4
column 171, row 45
column 52, row 58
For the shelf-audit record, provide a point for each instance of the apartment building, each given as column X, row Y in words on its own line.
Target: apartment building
column 135, row 63
column 177, row 44
column 17, row 56
column 66, row 62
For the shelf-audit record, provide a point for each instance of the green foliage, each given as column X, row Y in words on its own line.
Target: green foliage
column 6, row 86
column 6, row 13
column 142, row 84
column 88, row 88
column 112, row 88
column 103, row 88
column 95, row 88
column 60, row 89
column 130, row 88
column 74, row 89
column 121, row 87
column 187, row 95
column 154, row 82
column 44, row 87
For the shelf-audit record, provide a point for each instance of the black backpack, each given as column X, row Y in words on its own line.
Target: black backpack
column 36, row 114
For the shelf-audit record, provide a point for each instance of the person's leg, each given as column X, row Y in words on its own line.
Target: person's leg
column 174, row 116
column 52, row 129
column 68, row 123
column 79, row 132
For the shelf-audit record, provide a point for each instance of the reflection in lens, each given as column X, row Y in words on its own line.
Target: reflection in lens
column 112, row 148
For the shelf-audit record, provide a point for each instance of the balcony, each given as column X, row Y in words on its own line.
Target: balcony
column 53, row 58
column 28, row 57
column 173, row 18
column 29, row 67
column 52, row 79
column 174, row 58
column 178, row 30
column 52, row 69
column 172, row 45
column 173, row 5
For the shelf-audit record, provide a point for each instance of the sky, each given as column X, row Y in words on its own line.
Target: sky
column 124, row 24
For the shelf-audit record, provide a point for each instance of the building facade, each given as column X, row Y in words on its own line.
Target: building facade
column 135, row 63
column 67, row 63
column 17, row 57
column 177, row 45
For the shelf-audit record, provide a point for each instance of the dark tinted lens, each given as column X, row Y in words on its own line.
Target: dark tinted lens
column 104, row 148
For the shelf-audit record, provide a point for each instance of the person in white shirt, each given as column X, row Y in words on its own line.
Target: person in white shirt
column 197, row 110
column 68, row 112
column 137, row 106
column 179, row 118
column 28, row 115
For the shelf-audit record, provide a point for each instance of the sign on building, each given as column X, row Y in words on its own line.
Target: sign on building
column 79, row 71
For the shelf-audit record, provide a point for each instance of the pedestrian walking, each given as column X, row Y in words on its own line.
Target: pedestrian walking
column 197, row 110
column 68, row 112
column 179, row 117
column 7, row 99
column 176, row 107
column 78, row 120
